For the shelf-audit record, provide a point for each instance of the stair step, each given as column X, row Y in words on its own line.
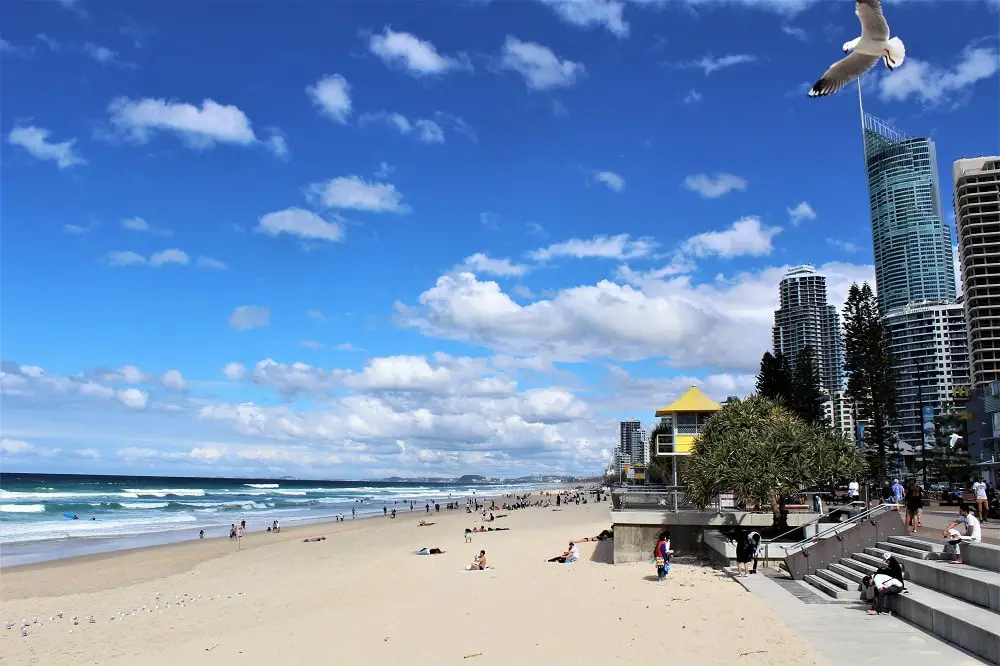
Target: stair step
column 850, row 573
column 971, row 584
column 974, row 629
column 829, row 588
column 918, row 543
column 874, row 561
column 836, row 579
column 915, row 553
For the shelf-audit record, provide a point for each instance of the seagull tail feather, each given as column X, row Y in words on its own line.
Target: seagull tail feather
column 897, row 51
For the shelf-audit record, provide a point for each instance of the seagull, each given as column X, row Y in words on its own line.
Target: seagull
column 864, row 52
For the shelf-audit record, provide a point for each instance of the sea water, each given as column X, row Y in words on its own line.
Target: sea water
column 115, row 512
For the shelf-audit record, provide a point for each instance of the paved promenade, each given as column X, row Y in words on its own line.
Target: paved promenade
column 846, row 635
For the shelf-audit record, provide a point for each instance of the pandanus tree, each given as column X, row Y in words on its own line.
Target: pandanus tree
column 762, row 452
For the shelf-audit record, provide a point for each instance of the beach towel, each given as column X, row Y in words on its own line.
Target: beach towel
column 486, row 569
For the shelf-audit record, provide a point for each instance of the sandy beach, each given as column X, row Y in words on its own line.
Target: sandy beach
column 363, row 597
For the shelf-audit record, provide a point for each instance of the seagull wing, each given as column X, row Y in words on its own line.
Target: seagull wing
column 843, row 72
column 873, row 25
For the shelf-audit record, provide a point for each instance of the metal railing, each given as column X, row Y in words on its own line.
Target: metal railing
column 833, row 529
column 661, row 498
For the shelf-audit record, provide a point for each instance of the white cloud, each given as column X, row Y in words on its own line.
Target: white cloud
column 302, row 223
column 277, row 144
column 746, row 237
column 586, row 13
column 614, row 182
column 209, row 262
column 174, row 380
column 416, row 56
column 101, row 54
column 846, row 246
column 714, row 187
column 36, row 141
column 709, row 64
column 246, row 317
column 797, row 33
column 490, row 220
column 199, row 127
column 75, row 229
column 332, row 94
column 384, row 170
column 693, row 97
column 355, row 193
column 14, row 447
column 234, row 370
column 425, row 131
column 541, row 68
column 598, row 247
column 171, row 256
column 315, row 314
column 724, row 323
column 130, row 374
column 126, row 258
column 482, row 264
column 801, row 212
column 134, row 398
column 933, row 85
column 139, row 224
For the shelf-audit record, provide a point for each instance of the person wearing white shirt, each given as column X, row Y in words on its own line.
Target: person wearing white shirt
column 853, row 491
column 973, row 531
column 982, row 503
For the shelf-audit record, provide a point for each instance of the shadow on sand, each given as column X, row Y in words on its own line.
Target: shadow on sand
column 604, row 552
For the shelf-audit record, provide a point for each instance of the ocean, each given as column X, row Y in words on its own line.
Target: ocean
column 117, row 512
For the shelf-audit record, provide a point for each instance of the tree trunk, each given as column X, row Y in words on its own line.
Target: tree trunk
column 779, row 517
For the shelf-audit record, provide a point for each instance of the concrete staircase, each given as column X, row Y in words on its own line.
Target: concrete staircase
column 958, row 603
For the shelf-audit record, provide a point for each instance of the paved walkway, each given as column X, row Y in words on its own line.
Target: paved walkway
column 843, row 633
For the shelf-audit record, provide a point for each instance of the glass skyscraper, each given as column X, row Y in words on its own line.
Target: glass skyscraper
column 912, row 243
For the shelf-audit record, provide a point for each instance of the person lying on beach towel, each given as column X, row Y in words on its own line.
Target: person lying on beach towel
column 478, row 563
column 314, row 539
column 603, row 536
column 430, row 551
column 424, row 523
column 572, row 554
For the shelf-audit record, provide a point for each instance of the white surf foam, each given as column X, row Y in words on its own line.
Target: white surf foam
column 22, row 508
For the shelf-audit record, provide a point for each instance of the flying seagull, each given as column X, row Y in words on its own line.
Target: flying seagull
column 864, row 52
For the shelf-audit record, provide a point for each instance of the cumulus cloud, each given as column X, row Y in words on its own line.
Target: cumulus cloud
column 174, row 380
column 480, row 263
column 723, row 323
column 746, row 237
column 332, row 96
column 538, row 65
column 710, row 187
column 424, row 130
column 356, row 193
column 36, row 141
column 29, row 381
column 589, row 13
column 935, row 85
column 246, row 317
column 621, row 246
column 801, row 213
column 614, row 182
column 302, row 223
column 200, row 127
column 156, row 260
column 412, row 54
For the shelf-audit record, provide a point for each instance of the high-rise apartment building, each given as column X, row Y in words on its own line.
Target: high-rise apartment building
column 912, row 243
column 633, row 447
column 977, row 216
column 805, row 319
column 929, row 344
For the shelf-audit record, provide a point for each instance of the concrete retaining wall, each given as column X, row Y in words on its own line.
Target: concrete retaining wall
column 982, row 555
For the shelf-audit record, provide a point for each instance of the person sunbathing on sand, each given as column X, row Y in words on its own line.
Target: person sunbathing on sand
column 603, row 536
column 430, row 551
column 479, row 563
column 424, row 523
column 572, row 554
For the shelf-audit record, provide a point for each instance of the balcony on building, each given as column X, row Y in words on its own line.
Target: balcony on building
column 681, row 422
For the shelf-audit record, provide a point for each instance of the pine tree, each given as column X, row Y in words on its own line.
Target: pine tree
column 806, row 394
column 871, row 376
column 774, row 381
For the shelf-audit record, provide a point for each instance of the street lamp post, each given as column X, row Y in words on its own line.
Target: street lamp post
column 920, row 419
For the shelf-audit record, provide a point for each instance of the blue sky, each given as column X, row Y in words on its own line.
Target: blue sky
column 354, row 239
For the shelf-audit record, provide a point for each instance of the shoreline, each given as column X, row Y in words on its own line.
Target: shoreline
column 41, row 551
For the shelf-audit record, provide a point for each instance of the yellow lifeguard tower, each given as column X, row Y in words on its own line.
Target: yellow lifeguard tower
column 681, row 422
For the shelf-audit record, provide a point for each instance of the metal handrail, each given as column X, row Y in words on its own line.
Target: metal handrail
column 854, row 519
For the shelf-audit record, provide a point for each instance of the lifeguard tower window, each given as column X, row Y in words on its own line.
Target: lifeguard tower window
column 691, row 423
column 665, row 445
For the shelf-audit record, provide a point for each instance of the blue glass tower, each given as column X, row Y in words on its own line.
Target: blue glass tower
column 912, row 243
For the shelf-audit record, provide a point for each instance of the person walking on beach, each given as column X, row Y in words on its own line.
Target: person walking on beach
column 354, row 513
column 384, row 511
column 982, row 503
column 661, row 556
